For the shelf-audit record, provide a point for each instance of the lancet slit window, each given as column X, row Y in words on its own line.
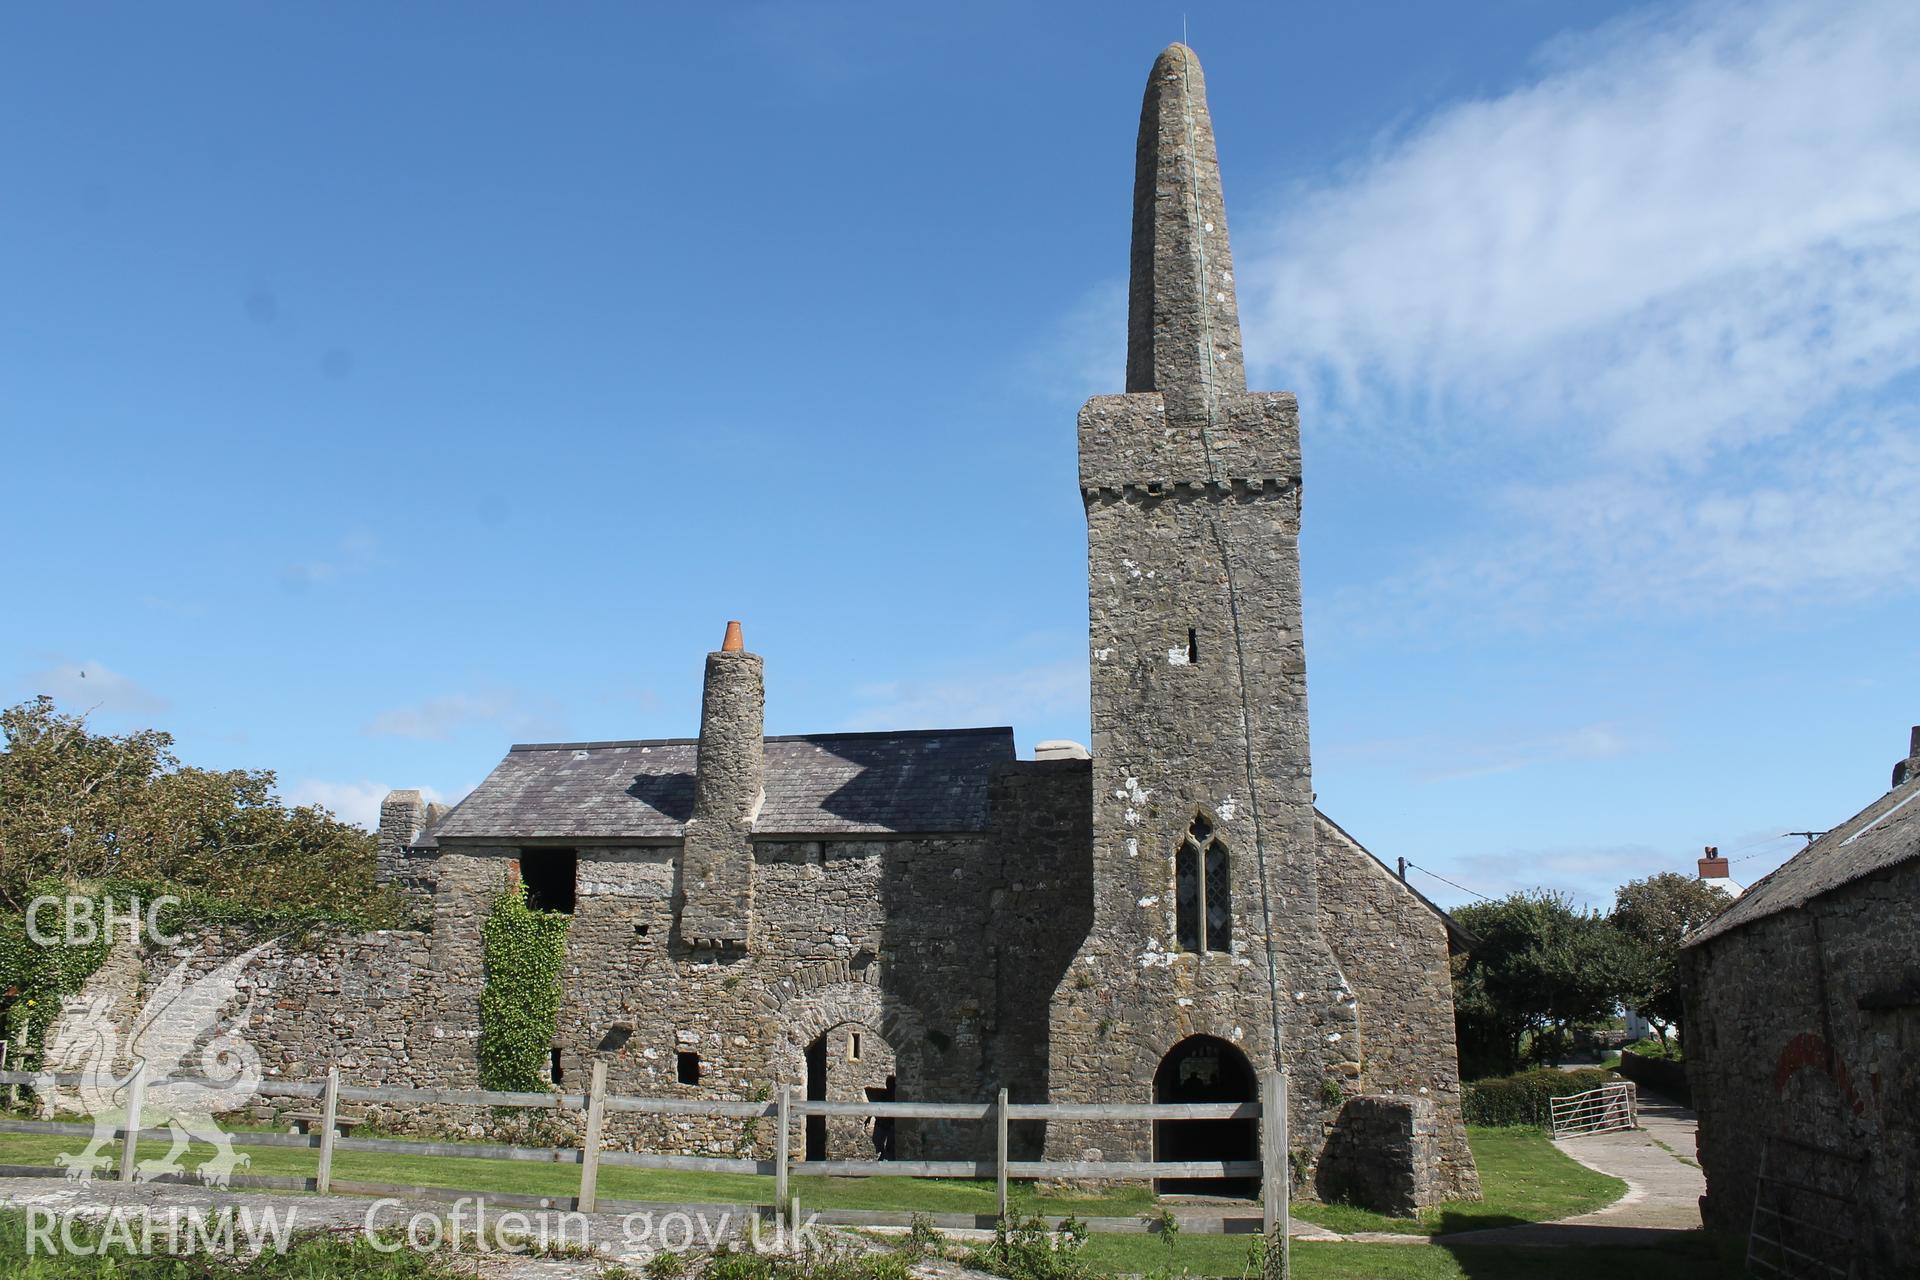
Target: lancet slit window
column 1202, row 890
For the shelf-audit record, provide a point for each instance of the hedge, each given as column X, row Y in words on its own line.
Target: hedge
column 1662, row 1075
column 1523, row 1099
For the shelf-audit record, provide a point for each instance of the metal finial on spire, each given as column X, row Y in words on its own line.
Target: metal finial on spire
column 1183, row 325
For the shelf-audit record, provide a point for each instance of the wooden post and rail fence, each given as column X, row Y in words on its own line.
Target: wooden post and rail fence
column 784, row 1109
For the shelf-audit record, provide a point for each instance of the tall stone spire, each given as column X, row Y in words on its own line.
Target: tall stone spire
column 1183, row 326
column 1206, row 864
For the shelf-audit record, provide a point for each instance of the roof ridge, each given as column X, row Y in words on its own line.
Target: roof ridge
column 835, row 735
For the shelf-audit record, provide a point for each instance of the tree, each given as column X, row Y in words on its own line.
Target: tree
column 84, row 811
column 1539, row 969
column 77, row 805
column 1658, row 914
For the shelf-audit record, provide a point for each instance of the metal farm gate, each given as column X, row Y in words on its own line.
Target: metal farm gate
column 1601, row 1110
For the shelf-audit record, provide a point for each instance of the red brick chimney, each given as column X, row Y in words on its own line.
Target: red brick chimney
column 1713, row 866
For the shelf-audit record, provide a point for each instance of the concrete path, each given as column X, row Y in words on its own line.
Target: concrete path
column 1664, row 1185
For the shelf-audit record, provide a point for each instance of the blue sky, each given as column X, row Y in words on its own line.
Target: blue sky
column 381, row 385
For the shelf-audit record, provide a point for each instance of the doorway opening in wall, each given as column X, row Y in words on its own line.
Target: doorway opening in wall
column 549, row 876
column 1206, row 1069
column 817, row 1092
column 882, row 1125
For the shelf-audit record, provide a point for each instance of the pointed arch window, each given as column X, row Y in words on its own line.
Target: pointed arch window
column 1202, row 890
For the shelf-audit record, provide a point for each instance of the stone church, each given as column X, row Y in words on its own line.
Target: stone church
column 921, row 914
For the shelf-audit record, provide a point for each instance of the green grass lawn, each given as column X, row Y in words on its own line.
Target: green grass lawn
column 915, row 1195
column 1693, row 1257
column 1523, row 1178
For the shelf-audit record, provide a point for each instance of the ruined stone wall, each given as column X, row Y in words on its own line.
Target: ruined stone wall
column 1043, row 813
column 370, row 1004
column 1803, row 1025
column 887, row 935
column 1393, row 948
column 940, row 951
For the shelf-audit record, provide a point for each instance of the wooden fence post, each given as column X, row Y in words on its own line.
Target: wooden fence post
column 1276, row 1174
column 590, row 1144
column 782, row 1140
column 329, row 1114
column 136, row 1099
column 1000, row 1167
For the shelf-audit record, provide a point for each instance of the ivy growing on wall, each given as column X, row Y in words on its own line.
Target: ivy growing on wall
column 34, row 976
column 520, row 1004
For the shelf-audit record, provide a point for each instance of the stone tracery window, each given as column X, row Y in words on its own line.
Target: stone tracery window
column 1202, row 890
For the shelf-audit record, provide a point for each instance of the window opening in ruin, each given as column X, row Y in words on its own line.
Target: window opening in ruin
column 549, row 876
column 1202, row 890
column 687, row 1066
column 823, row 853
column 1193, row 647
column 816, row 1148
column 1205, row 1069
column 640, row 929
column 853, row 1047
column 554, row 1071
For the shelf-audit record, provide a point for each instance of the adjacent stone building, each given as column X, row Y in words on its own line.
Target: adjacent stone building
column 921, row 914
column 1802, row 1038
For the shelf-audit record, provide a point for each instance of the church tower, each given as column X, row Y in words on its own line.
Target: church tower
column 1206, row 957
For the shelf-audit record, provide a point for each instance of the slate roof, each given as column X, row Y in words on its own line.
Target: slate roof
column 927, row 781
column 1884, row 834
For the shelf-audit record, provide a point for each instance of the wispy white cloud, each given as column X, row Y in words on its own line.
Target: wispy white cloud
column 1589, row 873
column 1668, row 282
column 1486, row 753
column 439, row 718
column 1086, row 354
column 1592, row 874
column 355, row 802
column 982, row 695
column 91, row 685
column 358, row 550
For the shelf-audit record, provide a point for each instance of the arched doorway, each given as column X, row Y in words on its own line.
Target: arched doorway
column 1206, row 1069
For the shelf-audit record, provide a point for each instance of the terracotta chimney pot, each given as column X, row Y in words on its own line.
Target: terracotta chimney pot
column 733, row 643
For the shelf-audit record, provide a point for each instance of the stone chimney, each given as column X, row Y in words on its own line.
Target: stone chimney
column 1713, row 866
column 1910, row 767
column 403, row 816
column 716, row 861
